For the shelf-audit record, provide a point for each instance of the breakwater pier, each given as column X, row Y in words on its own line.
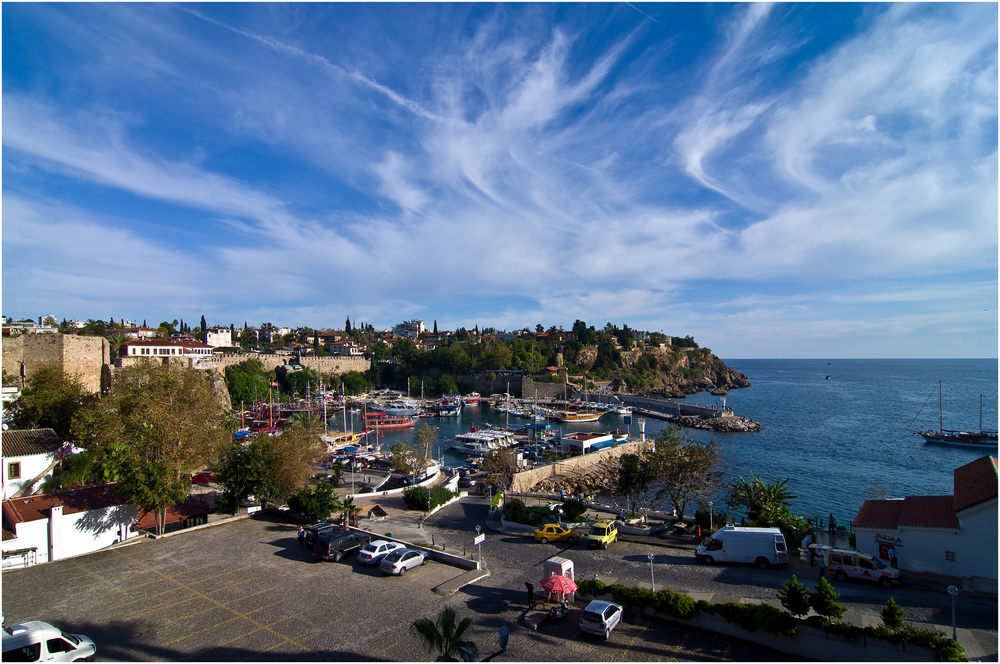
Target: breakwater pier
column 712, row 418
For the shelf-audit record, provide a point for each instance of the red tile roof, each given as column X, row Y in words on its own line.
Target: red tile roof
column 975, row 483
column 179, row 512
column 919, row 511
column 37, row 506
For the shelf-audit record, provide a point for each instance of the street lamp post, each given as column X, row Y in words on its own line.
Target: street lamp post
column 479, row 547
column 711, row 516
column 652, row 580
column 952, row 590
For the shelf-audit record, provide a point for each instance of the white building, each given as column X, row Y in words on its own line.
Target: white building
column 410, row 329
column 46, row 527
column 165, row 350
column 29, row 455
column 954, row 536
column 219, row 337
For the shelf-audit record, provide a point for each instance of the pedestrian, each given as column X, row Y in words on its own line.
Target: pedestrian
column 892, row 556
column 302, row 536
column 822, row 566
column 531, row 595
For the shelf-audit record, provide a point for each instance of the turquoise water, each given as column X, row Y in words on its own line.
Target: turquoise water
column 833, row 438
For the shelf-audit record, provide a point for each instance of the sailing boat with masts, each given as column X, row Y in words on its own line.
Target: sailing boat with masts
column 984, row 438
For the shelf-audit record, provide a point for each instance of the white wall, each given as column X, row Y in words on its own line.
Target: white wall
column 31, row 467
column 65, row 535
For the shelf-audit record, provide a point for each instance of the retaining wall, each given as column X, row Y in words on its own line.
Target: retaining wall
column 525, row 480
column 83, row 356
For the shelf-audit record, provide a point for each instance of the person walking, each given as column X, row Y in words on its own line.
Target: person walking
column 531, row 595
column 302, row 537
column 892, row 557
column 822, row 566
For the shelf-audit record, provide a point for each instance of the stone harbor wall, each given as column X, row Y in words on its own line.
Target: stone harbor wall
column 574, row 468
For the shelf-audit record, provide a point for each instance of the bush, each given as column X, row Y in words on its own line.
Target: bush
column 672, row 603
column 226, row 504
column 573, row 509
column 316, row 504
column 424, row 499
column 636, row 597
column 592, row 587
column 753, row 617
column 517, row 512
column 497, row 497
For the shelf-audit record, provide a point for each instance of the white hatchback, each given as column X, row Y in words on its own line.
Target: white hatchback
column 375, row 551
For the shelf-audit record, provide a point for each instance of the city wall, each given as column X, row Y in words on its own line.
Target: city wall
column 84, row 357
column 523, row 481
column 331, row 364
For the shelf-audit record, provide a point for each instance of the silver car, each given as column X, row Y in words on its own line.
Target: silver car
column 401, row 560
column 375, row 551
column 601, row 617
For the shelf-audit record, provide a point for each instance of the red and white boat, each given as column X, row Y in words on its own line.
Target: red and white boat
column 379, row 420
column 471, row 399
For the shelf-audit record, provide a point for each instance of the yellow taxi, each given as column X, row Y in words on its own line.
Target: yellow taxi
column 555, row 532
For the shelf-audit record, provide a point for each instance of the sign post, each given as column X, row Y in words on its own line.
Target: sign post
column 478, row 542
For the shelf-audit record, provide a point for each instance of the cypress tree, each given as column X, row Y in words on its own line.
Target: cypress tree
column 892, row 615
column 347, row 325
column 824, row 598
column 794, row 597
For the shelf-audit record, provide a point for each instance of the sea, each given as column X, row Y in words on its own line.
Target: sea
column 840, row 431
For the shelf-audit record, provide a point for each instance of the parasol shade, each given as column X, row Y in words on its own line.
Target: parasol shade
column 557, row 583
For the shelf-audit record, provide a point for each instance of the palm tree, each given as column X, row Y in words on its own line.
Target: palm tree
column 444, row 636
column 349, row 508
column 765, row 502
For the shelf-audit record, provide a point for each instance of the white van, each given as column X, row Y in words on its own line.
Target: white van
column 738, row 544
column 37, row 641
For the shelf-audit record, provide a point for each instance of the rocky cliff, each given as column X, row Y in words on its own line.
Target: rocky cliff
column 680, row 371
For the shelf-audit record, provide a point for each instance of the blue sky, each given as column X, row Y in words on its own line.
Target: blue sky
column 790, row 180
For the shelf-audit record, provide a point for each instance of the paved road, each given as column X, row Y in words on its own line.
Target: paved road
column 246, row 591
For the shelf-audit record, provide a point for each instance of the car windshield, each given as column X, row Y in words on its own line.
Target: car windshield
column 600, row 530
column 69, row 637
column 878, row 563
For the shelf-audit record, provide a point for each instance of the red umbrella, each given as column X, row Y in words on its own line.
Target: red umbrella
column 557, row 583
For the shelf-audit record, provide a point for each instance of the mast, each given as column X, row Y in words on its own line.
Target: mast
column 343, row 400
column 940, row 405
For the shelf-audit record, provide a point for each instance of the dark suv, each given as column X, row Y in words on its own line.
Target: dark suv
column 321, row 528
column 334, row 546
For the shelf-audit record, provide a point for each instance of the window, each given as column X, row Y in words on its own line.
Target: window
column 949, row 556
column 14, row 470
column 867, row 564
column 850, row 561
column 25, row 654
column 58, row 645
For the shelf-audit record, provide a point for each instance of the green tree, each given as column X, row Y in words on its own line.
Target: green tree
column 766, row 503
column 50, row 400
column 892, row 615
column 683, row 469
column 634, row 476
column 316, row 503
column 824, row 600
column 794, row 597
column 444, row 636
column 157, row 424
column 406, row 460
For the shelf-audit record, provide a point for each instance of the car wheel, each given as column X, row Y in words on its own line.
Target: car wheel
column 337, row 555
column 545, row 540
column 841, row 576
column 885, row 582
column 424, row 561
column 708, row 560
column 572, row 541
column 607, row 634
column 763, row 563
column 402, row 571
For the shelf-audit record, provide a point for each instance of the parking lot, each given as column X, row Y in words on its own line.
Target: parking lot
column 247, row 591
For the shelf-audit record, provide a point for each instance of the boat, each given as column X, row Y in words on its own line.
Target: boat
column 984, row 438
column 399, row 407
column 471, row 399
column 380, row 420
column 450, row 406
column 574, row 416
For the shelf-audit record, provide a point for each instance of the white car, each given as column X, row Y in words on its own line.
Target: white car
column 375, row 551
column 401, row 560
column 601, row 617
column 36, row 641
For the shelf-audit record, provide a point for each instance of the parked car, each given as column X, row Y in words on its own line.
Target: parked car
column 336, row 546
column 849, row 564
column 555, row 532
column 466, row 481
column 601, row 534
column 375, row 551
column 601, row 617
column 401, row 560
column 321, row 528
column 36, row 641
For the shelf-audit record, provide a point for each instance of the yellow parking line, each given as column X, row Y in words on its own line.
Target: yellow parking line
column 179, row 618
column 202, row 631
column 261, row 608
column 220, row 605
